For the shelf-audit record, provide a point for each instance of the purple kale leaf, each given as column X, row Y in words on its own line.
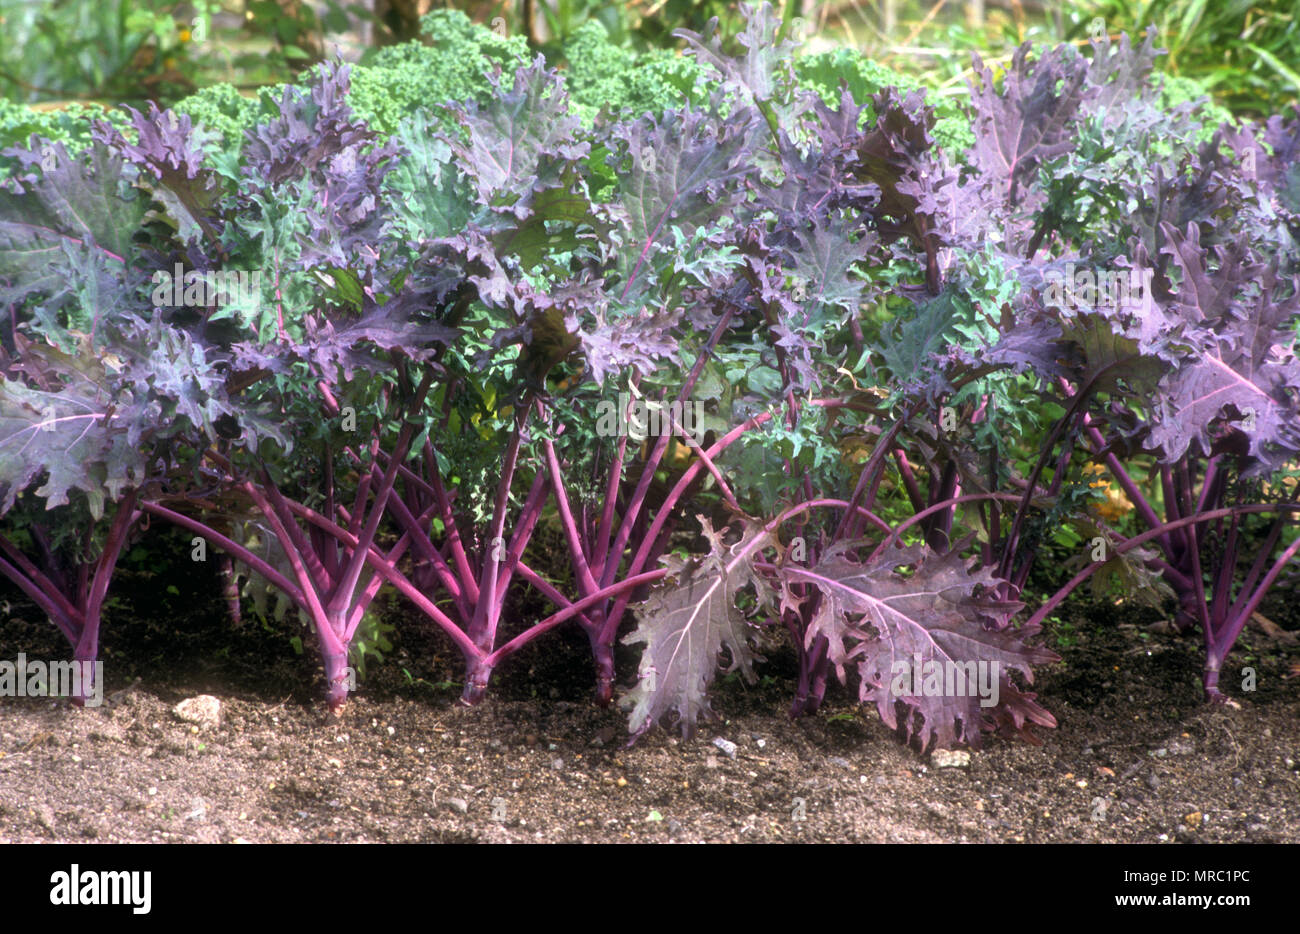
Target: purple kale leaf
column 1240, row 365
column 345, row 214
column 808, row 278
column 1029, row 120
column 764, row 73
column 311, row 128
column 611, row 337
column 318, row 154
column 899, row 157
column 1019, row 128
column 94, row 419
column 1281, row 169
column 170, row 153
column 905, row 630
column 1268, row 182
column 689, row 169
column 1120, row 75
column 822, row 178
column 342, row 343
column 520, row 142
column 639, row 340
column 51, row 220
column 689, row 619
column 63, row 438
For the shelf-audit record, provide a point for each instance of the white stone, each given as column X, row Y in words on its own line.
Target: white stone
column 950, row 758
column 204, row 710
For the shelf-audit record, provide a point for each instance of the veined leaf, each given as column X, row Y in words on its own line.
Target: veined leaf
column 935, row 615
column 690, row 617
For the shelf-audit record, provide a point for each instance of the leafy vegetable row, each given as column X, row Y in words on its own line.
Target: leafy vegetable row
column 751, row 365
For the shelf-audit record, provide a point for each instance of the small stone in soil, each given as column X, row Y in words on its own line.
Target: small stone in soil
column 727, row 746
column 459, row 805
column 204, row 710
column 950, row 758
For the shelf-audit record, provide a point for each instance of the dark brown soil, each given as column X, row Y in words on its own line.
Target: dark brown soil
column 1136, row 757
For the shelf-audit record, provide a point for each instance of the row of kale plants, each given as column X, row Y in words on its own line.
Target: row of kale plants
column 879, row 377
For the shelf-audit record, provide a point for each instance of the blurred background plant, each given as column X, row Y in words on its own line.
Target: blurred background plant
column 135, row 50
column 116, row 50
column 1246, row 53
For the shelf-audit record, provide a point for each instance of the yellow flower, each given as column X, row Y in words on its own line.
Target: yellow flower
column 1116, row 505
column 185, row 35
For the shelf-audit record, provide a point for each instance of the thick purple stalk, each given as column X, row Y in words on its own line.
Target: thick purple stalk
column 644, row 552
column 76, row 609
column 309, row 585
column 87, row 650
column 327, row 583
column 872, row 472
column 41, row 590
column 241, row 552
column 1219, row 641
column 633, row 515
column 482, row 628
column 1075, row 412
column 1126, row 482
column 910, row 484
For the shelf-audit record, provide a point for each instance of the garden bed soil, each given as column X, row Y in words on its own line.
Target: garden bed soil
column 1136, row 757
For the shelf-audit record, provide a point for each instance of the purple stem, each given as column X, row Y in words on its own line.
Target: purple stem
column 1217, row 645
column 1136, row 540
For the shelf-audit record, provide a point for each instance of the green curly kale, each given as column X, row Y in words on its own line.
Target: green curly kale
column 602, row 74
column 399, row 80
column 69, row 126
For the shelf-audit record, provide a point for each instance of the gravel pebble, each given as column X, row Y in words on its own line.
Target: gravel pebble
column 950, row 758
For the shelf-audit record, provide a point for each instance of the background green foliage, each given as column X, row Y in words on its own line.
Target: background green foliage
column 1246, row 52
column 597, row 50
